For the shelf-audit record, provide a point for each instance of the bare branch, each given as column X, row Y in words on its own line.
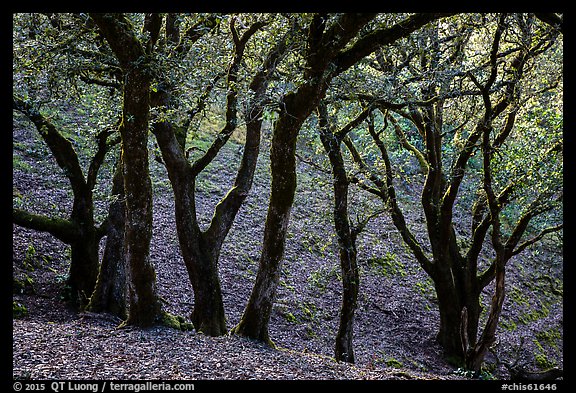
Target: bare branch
column 537, row 238
column 231, row 99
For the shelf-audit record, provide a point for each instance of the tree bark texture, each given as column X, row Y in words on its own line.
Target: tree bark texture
column 254, row 322
column 344, row 348
column 298, row 106
column 110, row 294
column 144, row 303
column 198, row 252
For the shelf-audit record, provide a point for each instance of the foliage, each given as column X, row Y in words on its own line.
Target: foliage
column 18, row 310
column 321, row 277
column 483, row 375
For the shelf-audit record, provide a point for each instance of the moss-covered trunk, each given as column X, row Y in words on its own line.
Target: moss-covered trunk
column 201, row 249
column 83, row 271
column 111, row 288
column 254, row 321
column 144, row 303
column 200, row 259
column 459, row 308
column 476, row 352
column 134, row 58
column 79, row 230
column 344, row 348
column 200, row 256
column 208, row 315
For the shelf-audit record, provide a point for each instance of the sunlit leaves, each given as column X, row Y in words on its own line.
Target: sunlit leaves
column 62, row 64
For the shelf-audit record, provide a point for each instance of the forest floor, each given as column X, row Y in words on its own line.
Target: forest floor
column 396, row 319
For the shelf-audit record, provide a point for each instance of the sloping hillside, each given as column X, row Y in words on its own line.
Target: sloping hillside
column 396, row 319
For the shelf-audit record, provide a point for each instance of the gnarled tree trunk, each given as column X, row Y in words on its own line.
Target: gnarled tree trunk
column 79, row 231
column 110, row 293
column 344, row 348
column 201, row 249
column 254, row 321
column 145, row 306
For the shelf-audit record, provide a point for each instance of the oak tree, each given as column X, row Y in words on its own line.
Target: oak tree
column 333, row 44
column 133, row 57
column 459, row 107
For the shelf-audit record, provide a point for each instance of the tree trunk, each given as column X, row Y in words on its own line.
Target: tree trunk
column 79, row 231
column 254, row 321
column 83, row 240
column 344, row 348
column 476, row 353
column 111, row 291
column 449, row 333
column 134, row 60
column 200, row 255
column 208, row 315
column 456, row 333
column 201, row 249
column 144, row 303
column 83, row 269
